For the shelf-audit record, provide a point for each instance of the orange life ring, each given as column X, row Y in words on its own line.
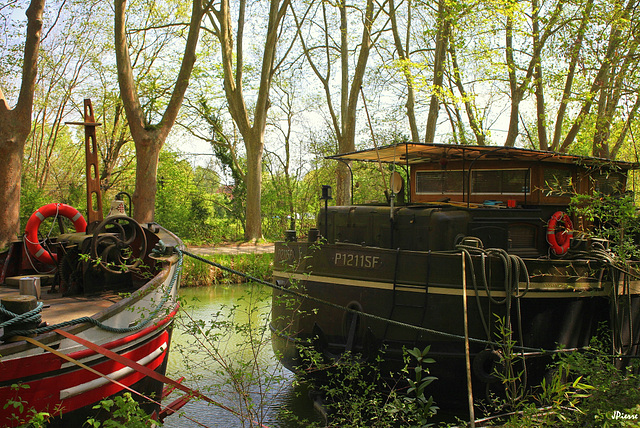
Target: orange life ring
column 559, row 240
column 36, row 219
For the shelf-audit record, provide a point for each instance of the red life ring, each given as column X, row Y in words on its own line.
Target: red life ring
column 559, row 240
column 36, row 219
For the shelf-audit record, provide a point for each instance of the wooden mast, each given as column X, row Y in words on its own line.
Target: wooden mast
column 94, row 197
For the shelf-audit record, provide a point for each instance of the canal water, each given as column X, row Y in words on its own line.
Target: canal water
column 221, row 345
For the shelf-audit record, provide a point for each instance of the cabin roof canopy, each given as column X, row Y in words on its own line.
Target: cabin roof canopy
column 420, row 153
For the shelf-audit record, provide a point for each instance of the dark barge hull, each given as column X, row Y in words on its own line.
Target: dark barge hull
column 562, row 307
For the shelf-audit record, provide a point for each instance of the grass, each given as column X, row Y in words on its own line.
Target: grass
column 199, row 274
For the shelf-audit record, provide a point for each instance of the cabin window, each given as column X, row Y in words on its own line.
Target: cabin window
column 608, row 183
column 558, row 181
column 507, row 181
column 439, row 182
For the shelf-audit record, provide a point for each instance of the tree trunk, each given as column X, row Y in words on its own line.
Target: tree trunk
column 626, row 128
column 144, row 196
column 442, row 38
column 474, row 123
column 609, row 99
column 614, row 42
column 516, row 90
column 10, row 174
column 512, row 133
column 253, row 227
column 15, row 125
column 600, row 145
column 343, row 122
column 347, row 141
column 404, row 57
column 571, row 71
column 252, row 133
column 541, row 112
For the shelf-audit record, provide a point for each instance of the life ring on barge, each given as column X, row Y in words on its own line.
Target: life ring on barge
column 559, row 239
column 31, row 231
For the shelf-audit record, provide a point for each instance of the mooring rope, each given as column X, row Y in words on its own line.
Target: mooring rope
column 32, row 316
column 513, row 266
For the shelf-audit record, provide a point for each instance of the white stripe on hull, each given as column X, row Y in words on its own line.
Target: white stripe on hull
column 546, row 290
column 118, row 374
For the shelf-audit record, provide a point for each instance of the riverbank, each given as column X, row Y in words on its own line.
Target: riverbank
column 233, row 248
column 250, row 259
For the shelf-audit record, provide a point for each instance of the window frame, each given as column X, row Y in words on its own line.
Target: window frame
column 466, row 181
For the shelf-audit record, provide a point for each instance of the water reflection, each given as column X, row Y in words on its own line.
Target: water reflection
column 211, row 348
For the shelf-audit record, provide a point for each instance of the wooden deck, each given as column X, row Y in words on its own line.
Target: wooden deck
column 58, row 308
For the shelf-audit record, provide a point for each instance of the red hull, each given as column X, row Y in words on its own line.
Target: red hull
column 49, row 383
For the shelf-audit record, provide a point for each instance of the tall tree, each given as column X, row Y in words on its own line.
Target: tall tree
column 574, row 55
column 600, row 48
column 439, row 57
column 113, row 137
column 618, row 64
column 281, row 167
column 65, row 56
column 518, row 86
column 343, row 119
column 207, row 123
column 250, row 124
column 149, row 138
column 15, row 125
column 404, row 56
column 475, row 122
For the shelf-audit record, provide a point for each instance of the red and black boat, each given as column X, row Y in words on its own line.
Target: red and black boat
column 79, row 308
column 483, row 228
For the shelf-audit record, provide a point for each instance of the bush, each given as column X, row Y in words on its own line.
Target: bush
column 356, row 393
column 124, row 412
column 586, row 389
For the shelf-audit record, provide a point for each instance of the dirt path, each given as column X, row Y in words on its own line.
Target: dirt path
column 242, row 248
